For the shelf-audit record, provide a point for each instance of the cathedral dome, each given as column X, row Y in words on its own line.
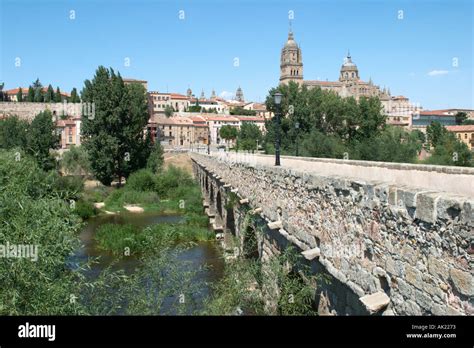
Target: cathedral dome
column 348, row 64
column 291, row 43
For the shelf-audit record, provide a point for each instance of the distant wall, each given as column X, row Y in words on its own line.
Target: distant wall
column 28, row 111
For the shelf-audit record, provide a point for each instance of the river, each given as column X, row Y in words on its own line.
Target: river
column 203, row 254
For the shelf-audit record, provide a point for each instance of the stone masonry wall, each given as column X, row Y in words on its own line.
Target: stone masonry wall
column 413, row 245
column 28, row 111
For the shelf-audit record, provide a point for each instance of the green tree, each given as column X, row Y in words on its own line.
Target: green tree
column 76, row 161
column 49, row 95
column 39, row 98
column 435, row 132
column 155, row 160
column 74, row 98
column 248, row 136
column 31, row 95
column 19, row 95
column 41, row 138
column 460, row 117
column 238, row 110
column 13, row 132
column 318, row 144
column 57, row 96
column 169, row 111
column 194, row 108
column 228, row 132
column 114, row 136
column 451, row 151
column 393, row 144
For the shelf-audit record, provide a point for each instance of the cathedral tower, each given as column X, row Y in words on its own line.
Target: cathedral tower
column 291, row 62
column 349, row 71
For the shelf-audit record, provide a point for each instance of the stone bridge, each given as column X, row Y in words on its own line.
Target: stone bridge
column 393, row 239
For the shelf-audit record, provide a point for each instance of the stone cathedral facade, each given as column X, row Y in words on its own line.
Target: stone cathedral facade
column 348, row 85
column 398, row 109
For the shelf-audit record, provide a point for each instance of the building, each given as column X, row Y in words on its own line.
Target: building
column 465, row 133
column 424, row 118
column 178, row 131
column 215, row 122
column 157, row 102
column 13, row 94
column 171, row 131
column 239, row 95
column 144, row 83
column 70, row 132
column 259, row 108
column 349, row 84
column 258, row 121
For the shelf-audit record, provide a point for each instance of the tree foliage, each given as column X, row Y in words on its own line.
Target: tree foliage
column 248, row 136
column 75, row 161
column 41, row 138
column 114, row 137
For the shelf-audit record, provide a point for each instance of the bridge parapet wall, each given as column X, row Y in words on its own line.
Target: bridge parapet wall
column 412, row 244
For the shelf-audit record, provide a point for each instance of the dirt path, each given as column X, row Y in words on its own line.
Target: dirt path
column 180, row 160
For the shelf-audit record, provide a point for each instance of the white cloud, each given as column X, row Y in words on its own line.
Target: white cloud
column 226, row 95
column 438, row 72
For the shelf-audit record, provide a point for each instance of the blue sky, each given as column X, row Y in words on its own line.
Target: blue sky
column 199, row 50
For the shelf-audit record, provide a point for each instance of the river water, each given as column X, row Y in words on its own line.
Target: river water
column 205, row 255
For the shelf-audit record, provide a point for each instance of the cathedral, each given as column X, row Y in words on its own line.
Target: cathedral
column 348, row 85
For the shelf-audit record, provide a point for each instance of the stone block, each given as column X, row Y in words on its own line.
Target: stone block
column 467, row 214
column 426, row 206
column 404, row 288
column 423, row 300
column 413, row 276
column 311, row 253
column 394, row 267
column 449, row 207
column 411, row 308
column 438, row 268
column 462, row 281
column 406, row 197
column 375, row 302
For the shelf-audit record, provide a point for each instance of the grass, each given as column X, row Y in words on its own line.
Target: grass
column 264, row 288
column 130, row 240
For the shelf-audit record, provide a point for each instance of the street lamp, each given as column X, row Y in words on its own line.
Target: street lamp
column 297, row 127
column 209, row 142
column 277, row 99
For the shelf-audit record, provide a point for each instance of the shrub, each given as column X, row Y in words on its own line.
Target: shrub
column 85, row 209
column 141, row 180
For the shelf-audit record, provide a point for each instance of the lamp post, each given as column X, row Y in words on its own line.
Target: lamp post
column 297, row 127
column 209, row 142
column 277, row 99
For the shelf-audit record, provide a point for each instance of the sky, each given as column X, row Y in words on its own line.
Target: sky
column 422, row 49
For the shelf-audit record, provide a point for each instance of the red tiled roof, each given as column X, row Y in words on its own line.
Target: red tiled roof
column 197, row 119
column 25, row 91
column 461, row 128
column 64, row 123
column 221, row 118
column 250, row 118
column 178, row 96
